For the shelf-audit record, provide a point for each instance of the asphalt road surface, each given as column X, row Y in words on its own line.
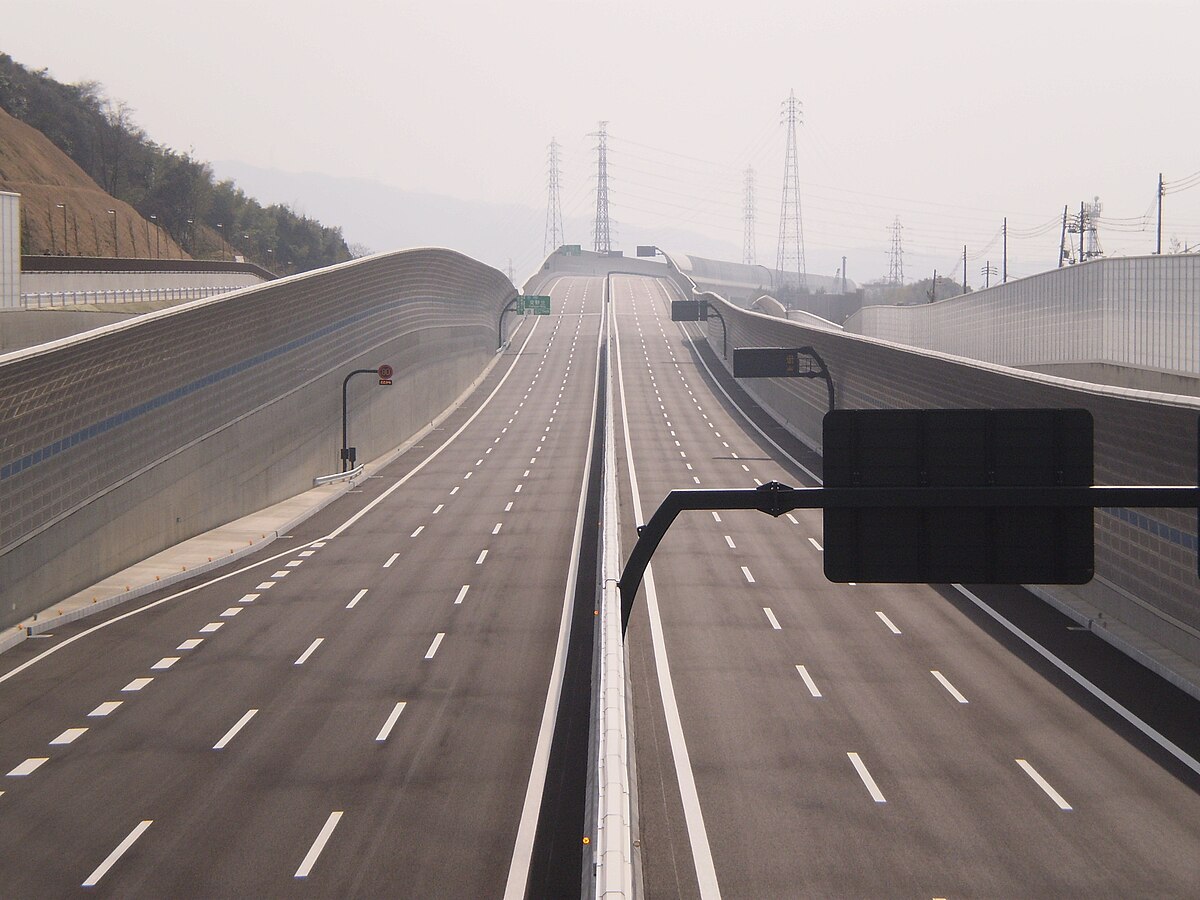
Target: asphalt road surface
column 797, row 738
column 368, row 707
column 359, row 712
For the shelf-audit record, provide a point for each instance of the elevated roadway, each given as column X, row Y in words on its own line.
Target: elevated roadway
column 796, row 738
column 368, row 708
column 362, row 712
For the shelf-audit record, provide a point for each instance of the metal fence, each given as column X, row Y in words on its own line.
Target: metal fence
column 51, row 299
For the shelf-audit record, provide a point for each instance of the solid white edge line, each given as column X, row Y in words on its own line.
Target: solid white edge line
column 861, row 768
column 706, row 873
column 1044, row 785
column 518, row 869
column 945, row 682
column 803, row 468
column 318, row 845
column 388, row 725
column 1153, row 734
column 232, row 732
column 1087, row 685
column 102, row 869
column 309, row 652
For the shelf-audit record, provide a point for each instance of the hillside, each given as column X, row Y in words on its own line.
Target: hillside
column 165, row 203
column 45, row 177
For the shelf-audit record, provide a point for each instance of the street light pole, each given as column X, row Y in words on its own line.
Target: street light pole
column 63, row 207
column 349, row 454
column 154, row 219
column 116, row 245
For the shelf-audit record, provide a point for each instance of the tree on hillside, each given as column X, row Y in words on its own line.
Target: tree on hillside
column 100, row 135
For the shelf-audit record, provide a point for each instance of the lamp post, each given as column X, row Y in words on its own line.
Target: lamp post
column 191, row 223
column 221, row 226
column 154, row 219
column 63, row 207
column 116, row 246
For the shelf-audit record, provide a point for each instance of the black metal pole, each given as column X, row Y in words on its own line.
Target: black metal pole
column 345, row 443
column 775, row 499
column 724, row 332
column 500, row 327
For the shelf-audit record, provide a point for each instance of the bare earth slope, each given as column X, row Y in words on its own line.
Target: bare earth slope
column 32, row 166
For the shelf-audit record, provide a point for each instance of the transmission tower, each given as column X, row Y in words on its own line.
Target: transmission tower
column 791, row 228
column 748, row 253
column 603, row 240
column 554, row 220
column 896, row 256
column 1091, row 219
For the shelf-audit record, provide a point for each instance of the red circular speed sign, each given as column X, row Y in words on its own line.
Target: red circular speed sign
column 385, row 371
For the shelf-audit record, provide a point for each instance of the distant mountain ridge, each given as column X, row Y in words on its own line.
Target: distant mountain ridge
column 384, row 217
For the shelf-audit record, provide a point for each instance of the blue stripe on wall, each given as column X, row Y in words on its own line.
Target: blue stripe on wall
column 118, row 419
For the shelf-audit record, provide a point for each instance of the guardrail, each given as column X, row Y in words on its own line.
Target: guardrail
column 52, row 299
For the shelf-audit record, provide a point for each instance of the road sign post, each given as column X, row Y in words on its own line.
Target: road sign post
column 963, row 479
column 782, row 362
column 350, row 454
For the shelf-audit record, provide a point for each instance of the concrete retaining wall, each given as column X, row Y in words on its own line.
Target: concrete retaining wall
column 1145, row 559
column 120, row 442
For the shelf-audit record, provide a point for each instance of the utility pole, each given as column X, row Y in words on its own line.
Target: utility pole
column 964, row 268
column 1081, row 230
column 554, row 223
column 1158, row 239
column 601, row 233
column 790, row 255
column 1062, row 241
column 748, row 252
column 1005, row 230
column 844, row 275
column 896, row 256
column 932, row 292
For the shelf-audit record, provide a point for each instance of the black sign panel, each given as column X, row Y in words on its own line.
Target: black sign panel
column 644, row 250
column 959, row 448
column 689, row 310
column 769, row 362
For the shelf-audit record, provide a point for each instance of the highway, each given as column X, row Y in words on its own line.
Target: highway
column 362, row 711
column 368, row 707
column 797, row 738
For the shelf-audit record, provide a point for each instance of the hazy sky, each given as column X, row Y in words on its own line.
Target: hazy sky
column 948, row 115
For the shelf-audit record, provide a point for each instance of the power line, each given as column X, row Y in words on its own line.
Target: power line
column 554, row 237
column 896, row 256
column 603, row 240
column 791, row 225
column 748, row 253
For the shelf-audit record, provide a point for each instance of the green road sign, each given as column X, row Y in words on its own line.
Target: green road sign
column 533, row 304
column 572, row 250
